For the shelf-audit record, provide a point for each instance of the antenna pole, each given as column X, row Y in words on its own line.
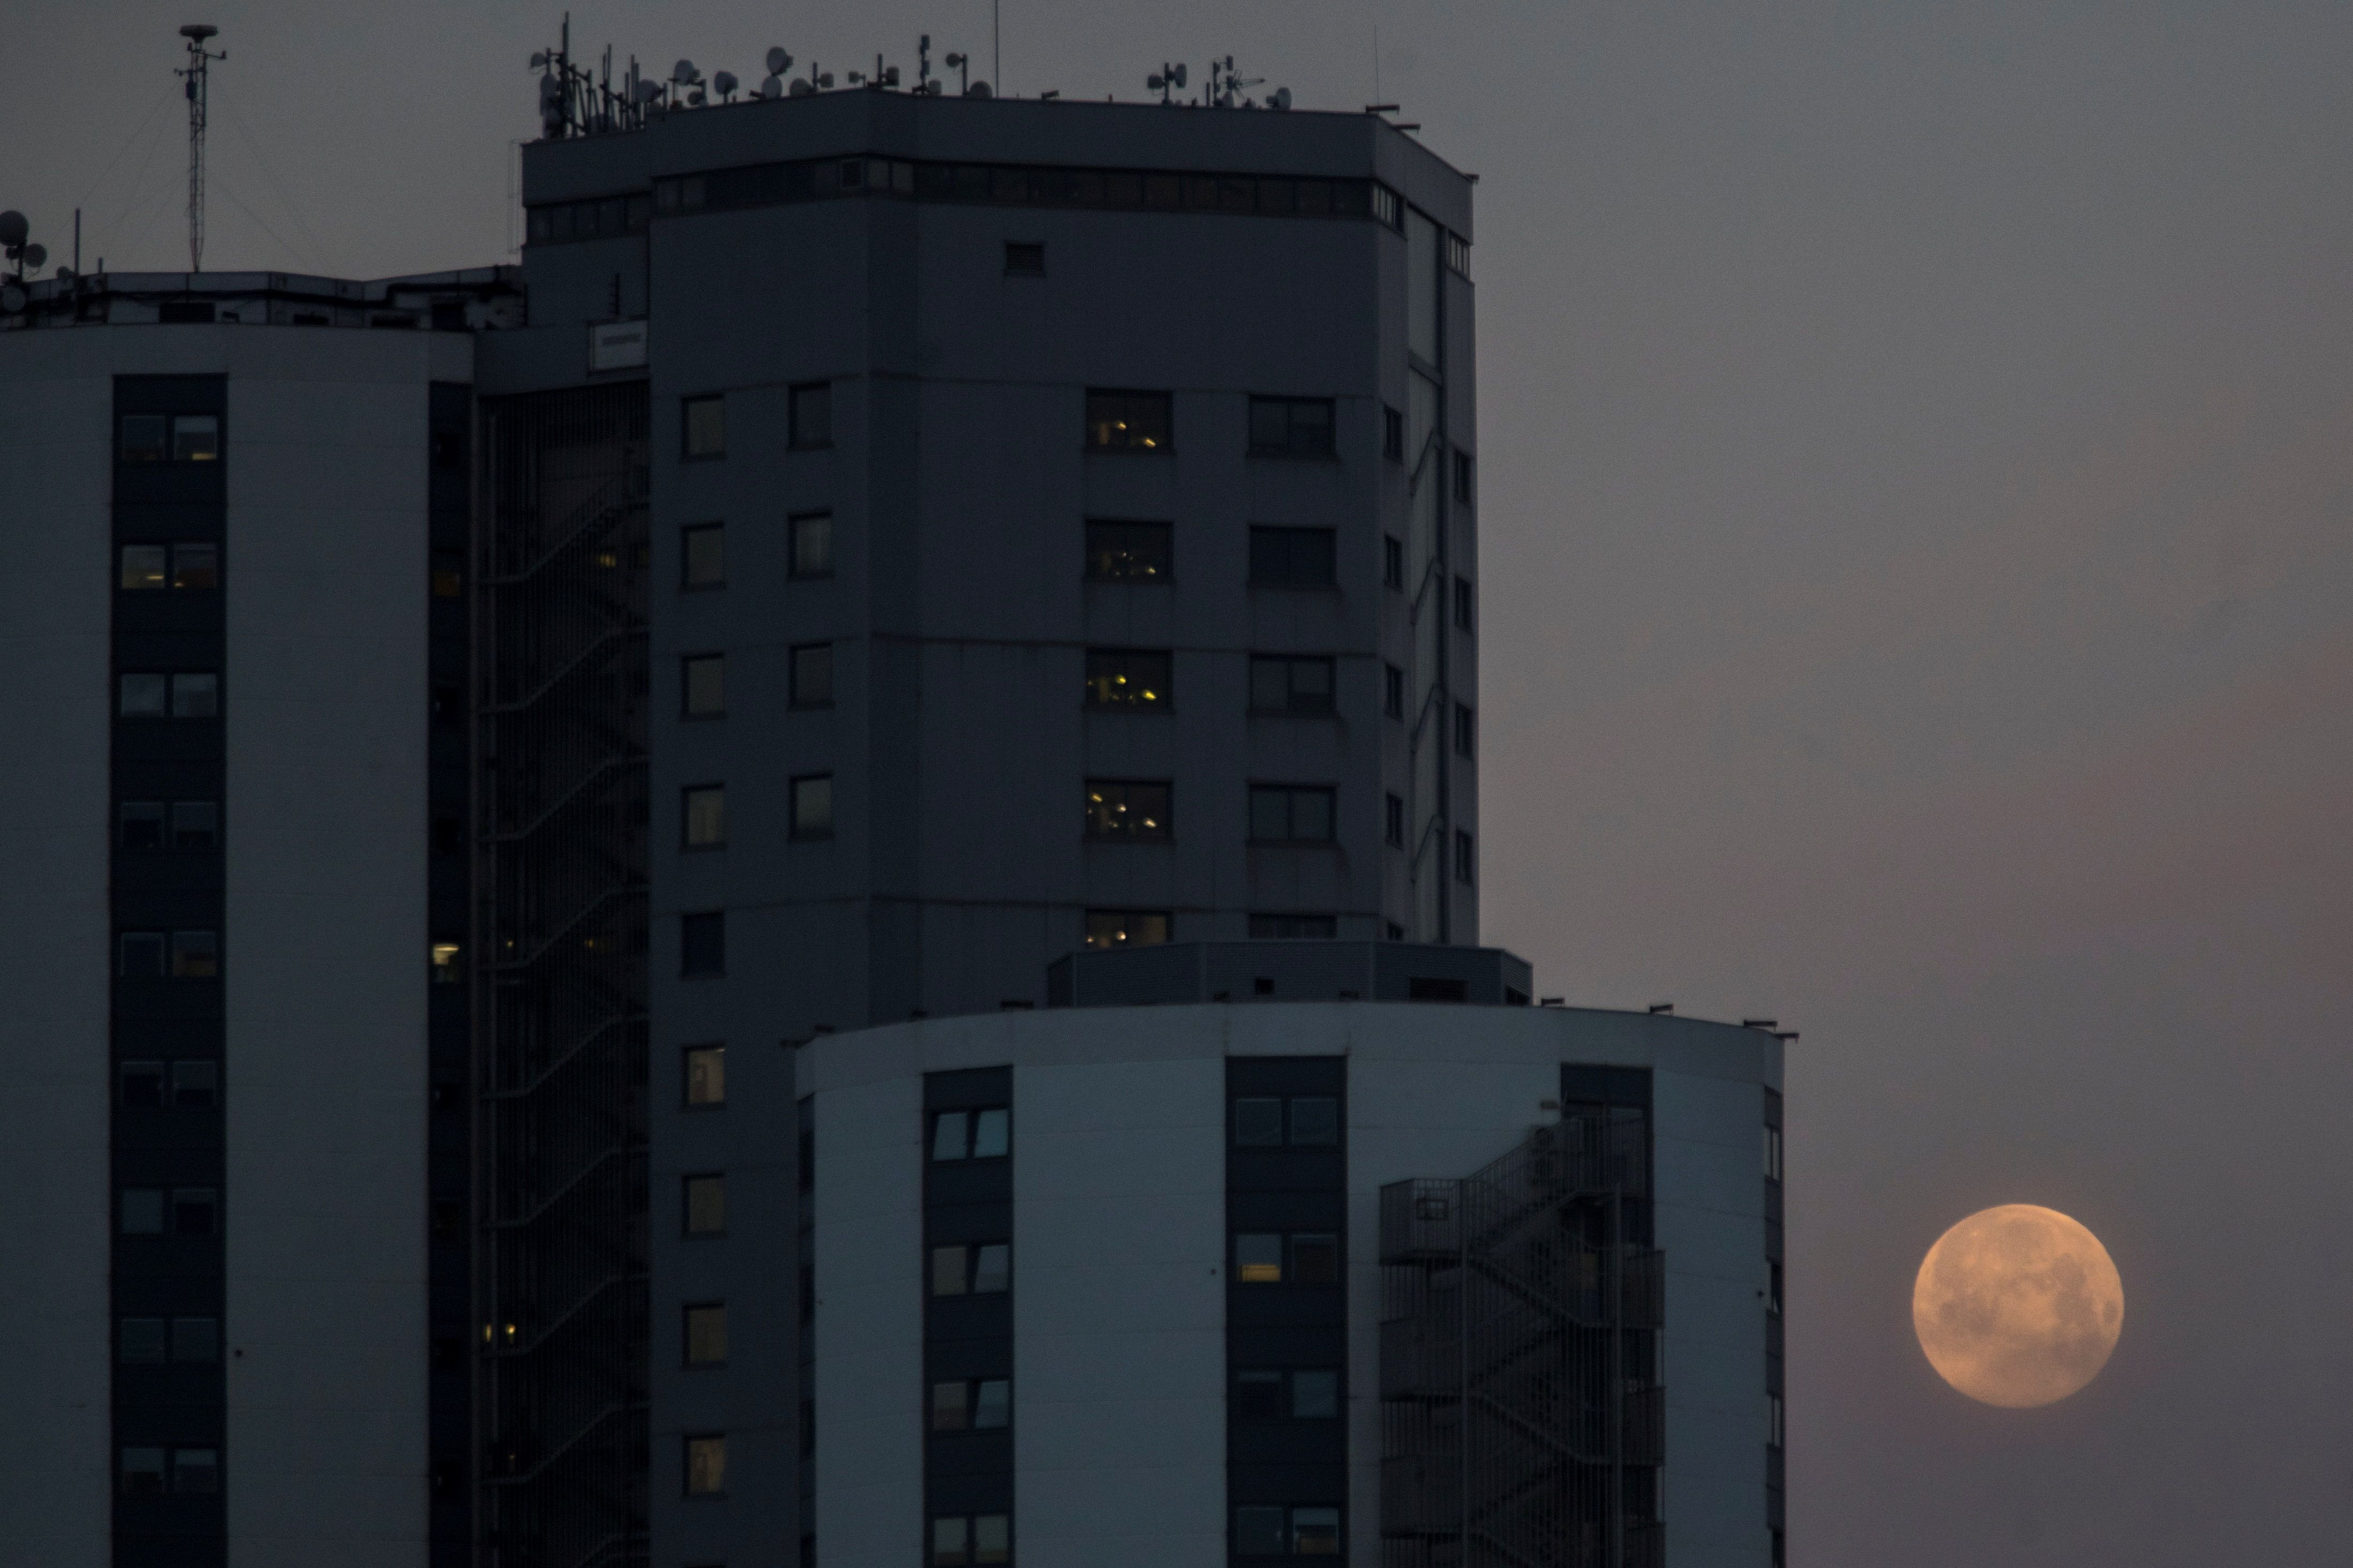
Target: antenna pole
column 996, row 48
column 199, row 80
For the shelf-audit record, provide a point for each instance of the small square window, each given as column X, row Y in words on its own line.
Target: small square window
column 1392, row 435
column 1134, row 811
column 196, row 825
column 195, row 566
column 706, row 1467
column 1291, row 557
column 1314, row 1121
column 1260, row 1532
column 195, row 954
column 195, row 1211
column 813, row 806
column 950, row 1410
column 1315, row 1260
column 195, row 1338
column 196, row 1085
column 705, row 430
column 1465, row 859
column 1291, row 426
column 1137, row 422
column 144, row 567
column 1130, row 552
column 703, row 946
column 1314, row 1395
column 1258, row 1259
column 949, row 1270
column 195, row 696
column 1258, row 1395
column 992, row 1134
column 140, row 1085
column 1393, row 563
column 706, row 1334
column 1127, row 927
column 1024, row 260
column 992, row 1268
column 146, row 696
column 992, row 1540
column 706, row 1204
column 196, row 437
column 812, row 544
column 702, row 817
column 703, row 685
column 142, row 955
column 992, row 1404
column 142, row 1342
column 1135, row 679
column 812, row 675
column 1287, row 684
column 141, row 824
column 1315, row 1531
column 702, row 556
column 951, row 1135
column 1257, row 1123
column 706, row 1075
column 951, row 1542
column 143, row 440
column 142, row 1210
column 812, row 414
column 1393, row 822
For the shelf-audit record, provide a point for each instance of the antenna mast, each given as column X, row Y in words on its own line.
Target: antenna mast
column 198, row 72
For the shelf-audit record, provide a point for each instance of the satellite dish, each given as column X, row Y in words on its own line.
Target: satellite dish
column 801, row 88
column 977, row 90
column 779, row 62
column 11, row 298
column 1282, row 98
column 539, row 59
column 772, row 86
column 724, row 82
column 550, row 90
column 13, row 228
column 647, row 91
column 684, row 73
column 694, row 100
column 1177, row 75
column 199, row 31
column 65, row 275
column 36, row 257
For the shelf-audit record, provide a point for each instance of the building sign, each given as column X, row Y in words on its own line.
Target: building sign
column 616, row 345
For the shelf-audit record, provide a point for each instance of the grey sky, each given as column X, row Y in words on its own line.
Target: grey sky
column 1917, row 459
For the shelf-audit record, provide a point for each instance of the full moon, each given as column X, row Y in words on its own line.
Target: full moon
column 2018, row 1306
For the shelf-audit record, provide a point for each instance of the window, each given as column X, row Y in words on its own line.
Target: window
column 1132, row 810
column 1024, row 260
column 447, row 576
column 146, row 696
column 703, row 684
column 195, row 954
column 984, row 1134
column 196, row 437
column 196, row 825
column 983, row 1268
column 195, row 566
column 1463, row 856
column 196, row 1086
column 1393, row 822
column 972, row 1540
column 703, row 946
column 140, row 1085
column 145, row 437
column 703, row 815
column 1392, row 562
column 190, row 1211
column 1393, row 691
column 1772, row 1153
column 1462, row 477
column 812, row 675
column 812, row 544
column 1299, row 1393
column 1291, row 557
column 1302, row 1120
column 706, row 1334
column 195, row 1340
column 1130, row 552
column 705, row 427
column 1392, row 435
column 973, row 1404
column 1773, row 1288
column 144, row 567
column 705, row 1204
column 1133, row 679
column 1271, row 1530
column 447, row 962
column 142, row 1210
column 813, row 806
column 702, row 555
column 1462, row 747
column 1128, row 421
column 142, row 955
column 1291, row 426
column 1288, row 684
column 1291, row 813
column 706, row 1466
column 195, row 696
column 1463, row 603
column 1775, row 1422
column 811, row 412
column 141, row 824
column 706, row 1075
column 1293, row 928
column 1268, row 1258
column 1127, row 927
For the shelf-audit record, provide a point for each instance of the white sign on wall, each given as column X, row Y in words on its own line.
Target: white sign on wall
column 616, row 345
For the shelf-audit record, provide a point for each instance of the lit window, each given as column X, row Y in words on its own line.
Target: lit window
column 146, row 696
column 813, row 806
column 1258, row 1259
column 702, row 817
column 142, row 1342
column 1132, row 810
column 1293, row 928
column 196, row 825
column 706, row 1467
column 1291, row 557
column 706, row 1204
column 145, row 440
column 195, row 954
column 1291, row 813
column 812, row 414
column 703, row 946
column 1130, row 552
column 706, row 1075
column 703, row 685
column 1127, row 927
column 1024, row 260
column 196, row 437
column 195, row 566
column 195, row 696
column 448, row 964
column 144, row 567
column 702, row 556
column 1128, row 421
column 812, row 675
column 812, row 544
column 706, row 1334
column 1291, row 426
column 1393, row 563
column 1290, row 685
column 1131, row 678
column 992, row 1539
column 1315, row 1531
column 705, row 427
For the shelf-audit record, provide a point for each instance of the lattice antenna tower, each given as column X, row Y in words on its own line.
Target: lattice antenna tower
column 198, row 75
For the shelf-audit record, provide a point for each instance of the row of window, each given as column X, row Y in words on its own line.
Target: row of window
column 971, row 1404
column 169, row 438
column 1275, row 1258
column 187, row 565
column 169, row 825
column 159, row 1085
column 170, row 955
column 809, row 421
column 158, row 1342
column 161, row 694
column 189, row 1472
column 170, row 1211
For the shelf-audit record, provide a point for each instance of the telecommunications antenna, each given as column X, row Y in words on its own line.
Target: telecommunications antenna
column 198, row 75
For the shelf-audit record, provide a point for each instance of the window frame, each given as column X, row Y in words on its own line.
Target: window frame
column 1466, row 856
column 1293, row 706
column 1109, row 408
column 688, row 407
column 709, row 1054
column 1291, row 795
column 709, row 922
column 806, row 830
column 1321, row 442
column 712, row 665
column 690, row 1184
column 1465, row 731
column 704, row 1446
column 801, row 399
column 1142, row 829
column 1107, row 668
column 689, row 536
column 797, row 525
column 1094, row 917
column 689, row 1313
column 796, row 697
column 1279, row 548
column 1165, row 560
column 1393, row 821
column 702, row 806
column 1020, row 255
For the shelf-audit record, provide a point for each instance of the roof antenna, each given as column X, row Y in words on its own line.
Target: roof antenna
column 198, row 75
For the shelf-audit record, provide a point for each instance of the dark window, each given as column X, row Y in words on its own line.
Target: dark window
column 1127, row 927
column 195, row 1338
column 1307, row 1120
column 1130, row 552
column 196, row 437
column 142, row 955
column 449, row 835
column 146, row 696
column 1462, row 477
column 703, row 946
column 142, row 1084
column 141, row 824
column 703, row 1204
column 1436, row 988
column 1258, row 1395
column 448, row 575
column 1464, row 858
column 1291, row 813
column 195, row 1211
column 702, row 555
column 1463, row 603
column 983, row 1134
column 142, row 1472
column 702, row 817
column 971, row 1404
column 1134, row 810
column 142, row 1342
column 142, row 1210
column 1128, row 421
column 1462, row 734
column 981, row 1269
column 705, row 427
column 1393, row 563
column 1291, row 426
column 1289, row 684
column 196, row 1085
column 145, row 439
column 1293, row 928
column 812, row 414
column 1291, row 557
column 1392, row 435
column 706, row 1466
column 705, row 1334
column 1773, row 1288
column 1393, row 691
column 196, row 825
column 195, row 954
column 812, row 544
column 813, row 806
column 972, row 1540
column 1133, row 679
column 195, row 566
column 1393, row 822
column 703, row 685
column 1024, row 260
column 812, row 675
column 196, row 1472
column 196, row 695
column 1296, row 1393
column 706, row 1075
